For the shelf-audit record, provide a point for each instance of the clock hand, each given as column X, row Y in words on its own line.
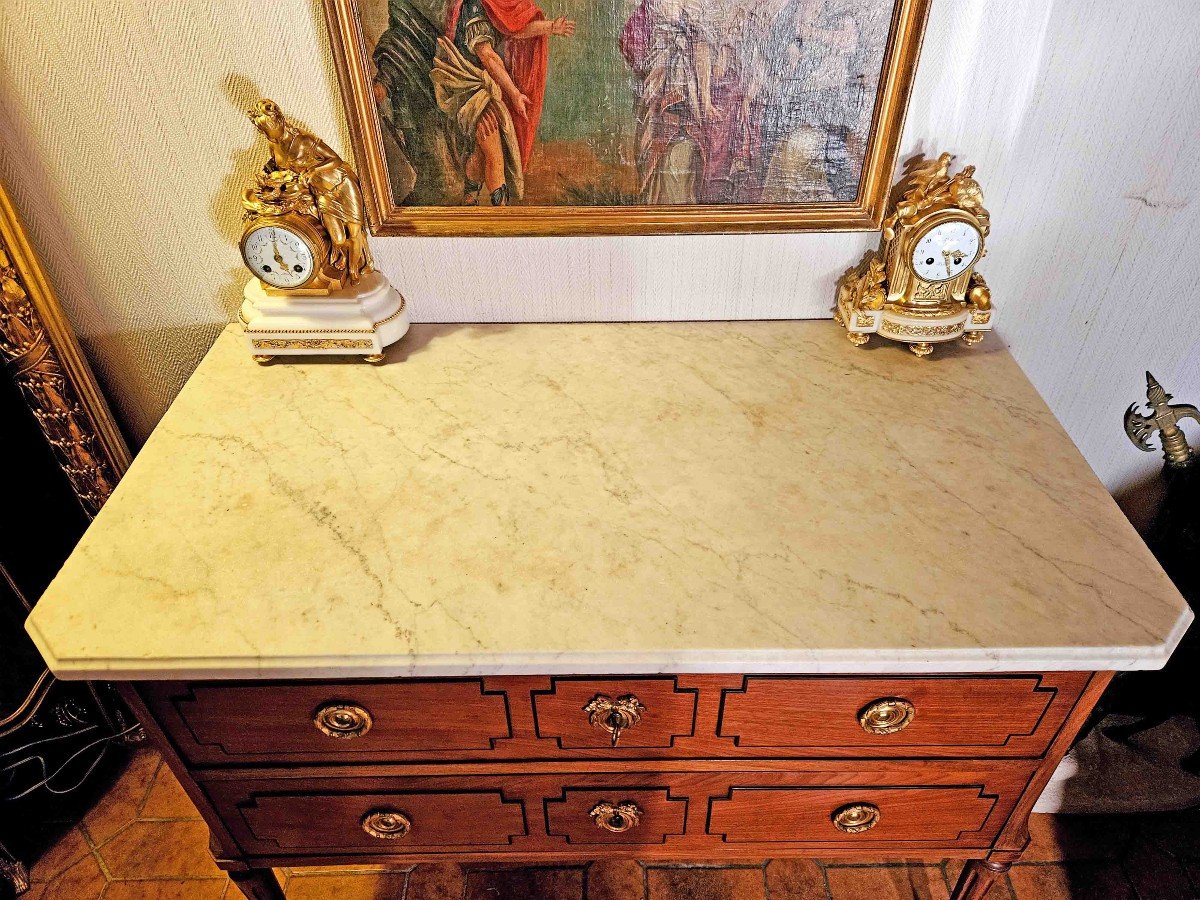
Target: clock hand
column 948, row 255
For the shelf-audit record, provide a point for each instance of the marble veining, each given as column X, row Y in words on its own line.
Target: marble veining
column 637, row 498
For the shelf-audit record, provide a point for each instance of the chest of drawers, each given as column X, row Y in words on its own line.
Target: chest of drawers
column 675, row 592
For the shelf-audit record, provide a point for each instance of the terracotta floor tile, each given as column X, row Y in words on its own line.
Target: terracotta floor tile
column 1054, row 838
column 617, row 879
column 703, row 883
column 69, row 849
column 167, row 800
column 360, row 886
column 1071, row 881
column 82, row 881
column 549, row 883
column 795, row 879
column 160, row 850
column 886, row 883
column 435, row 881
column 123, row 802
column 1000, row 889
column 168, row 889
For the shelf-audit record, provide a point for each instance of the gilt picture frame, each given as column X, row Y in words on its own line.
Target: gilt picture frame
column 473, row 118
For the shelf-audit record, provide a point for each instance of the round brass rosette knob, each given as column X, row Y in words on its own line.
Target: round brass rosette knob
column 618, row 818
column 856, row 818
column 886, row 716
column 342, row 720
column 614, row 716
column 387, row 824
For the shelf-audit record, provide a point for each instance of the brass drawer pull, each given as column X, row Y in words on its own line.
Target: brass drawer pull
column 343, row 720
column 856, row 818
column 886, row 715
column 617, row 819
column 614, row 716
column 388, row 824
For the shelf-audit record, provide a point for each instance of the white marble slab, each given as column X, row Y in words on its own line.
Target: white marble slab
column 641, row 498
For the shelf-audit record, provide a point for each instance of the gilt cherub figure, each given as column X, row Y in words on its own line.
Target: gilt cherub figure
column 303, row 164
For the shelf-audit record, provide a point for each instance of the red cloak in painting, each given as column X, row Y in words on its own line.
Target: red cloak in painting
column 525, row 59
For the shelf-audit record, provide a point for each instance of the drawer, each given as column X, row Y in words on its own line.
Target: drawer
column 976, row 715
column 214, row 723
column 668, row 717
column 382, row 811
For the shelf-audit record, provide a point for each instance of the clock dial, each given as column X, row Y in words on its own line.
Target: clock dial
column 278, row 256
column 945, row 251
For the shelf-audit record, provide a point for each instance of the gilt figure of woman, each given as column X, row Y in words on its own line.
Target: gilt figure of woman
column 334, row 186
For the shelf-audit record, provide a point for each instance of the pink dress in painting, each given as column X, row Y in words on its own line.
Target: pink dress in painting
column 693, row 140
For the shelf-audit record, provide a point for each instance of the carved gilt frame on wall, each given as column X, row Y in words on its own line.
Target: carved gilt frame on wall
column 45, row 360
column 864, row 213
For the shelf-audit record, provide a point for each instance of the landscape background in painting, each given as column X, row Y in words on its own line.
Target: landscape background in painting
column 792, row 87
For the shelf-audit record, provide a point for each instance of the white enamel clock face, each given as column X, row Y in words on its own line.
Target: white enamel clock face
column 278, row 256
column 945, row 251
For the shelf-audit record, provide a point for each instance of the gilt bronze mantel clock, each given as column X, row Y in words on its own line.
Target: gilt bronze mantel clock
column 315, row 288
column 920, row 287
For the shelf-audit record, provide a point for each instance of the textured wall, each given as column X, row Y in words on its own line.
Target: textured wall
column 123, row 142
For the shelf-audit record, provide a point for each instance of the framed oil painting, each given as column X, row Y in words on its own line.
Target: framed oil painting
column 538, row 117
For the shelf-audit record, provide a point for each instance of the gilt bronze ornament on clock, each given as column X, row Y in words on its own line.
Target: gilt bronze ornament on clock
column 920, row 287
column 315, row 288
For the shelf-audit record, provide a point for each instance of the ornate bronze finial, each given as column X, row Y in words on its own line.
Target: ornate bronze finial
column 1164, row 419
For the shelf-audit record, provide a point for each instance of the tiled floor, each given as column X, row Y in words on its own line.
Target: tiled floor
column 144, row 840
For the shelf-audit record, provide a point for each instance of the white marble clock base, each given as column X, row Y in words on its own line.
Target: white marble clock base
column 891, row 323
column 361, row 320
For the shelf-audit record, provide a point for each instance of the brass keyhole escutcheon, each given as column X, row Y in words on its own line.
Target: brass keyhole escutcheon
column 856, row 818
column 614, row 716
column 387, row 824
column 886, row 715
column 343, row 720
column 616, row 818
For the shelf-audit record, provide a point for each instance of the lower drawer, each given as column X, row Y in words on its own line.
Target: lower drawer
column 913, row 805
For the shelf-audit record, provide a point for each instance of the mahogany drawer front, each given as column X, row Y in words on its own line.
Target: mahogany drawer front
column 950, row 804
column 212, row 723
column 805, row 814
column 665, row 714
column 615, row 812
column 348, row 817
column 667, row 717
column 968, row 716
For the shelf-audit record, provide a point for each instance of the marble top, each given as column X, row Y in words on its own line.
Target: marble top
column 609, row 499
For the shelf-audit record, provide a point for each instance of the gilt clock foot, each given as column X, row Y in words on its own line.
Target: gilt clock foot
column 921, row 348
column 263, row 359
column 374, row 357
column 971, row 338
column 857, row 338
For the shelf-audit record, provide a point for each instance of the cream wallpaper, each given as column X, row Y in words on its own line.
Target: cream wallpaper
column 124, row 144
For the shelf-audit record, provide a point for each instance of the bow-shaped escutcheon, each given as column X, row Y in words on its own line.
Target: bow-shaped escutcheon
column 1164, row 418
column 614, row 716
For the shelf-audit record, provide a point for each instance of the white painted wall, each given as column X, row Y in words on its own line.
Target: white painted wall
column 123, row 141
